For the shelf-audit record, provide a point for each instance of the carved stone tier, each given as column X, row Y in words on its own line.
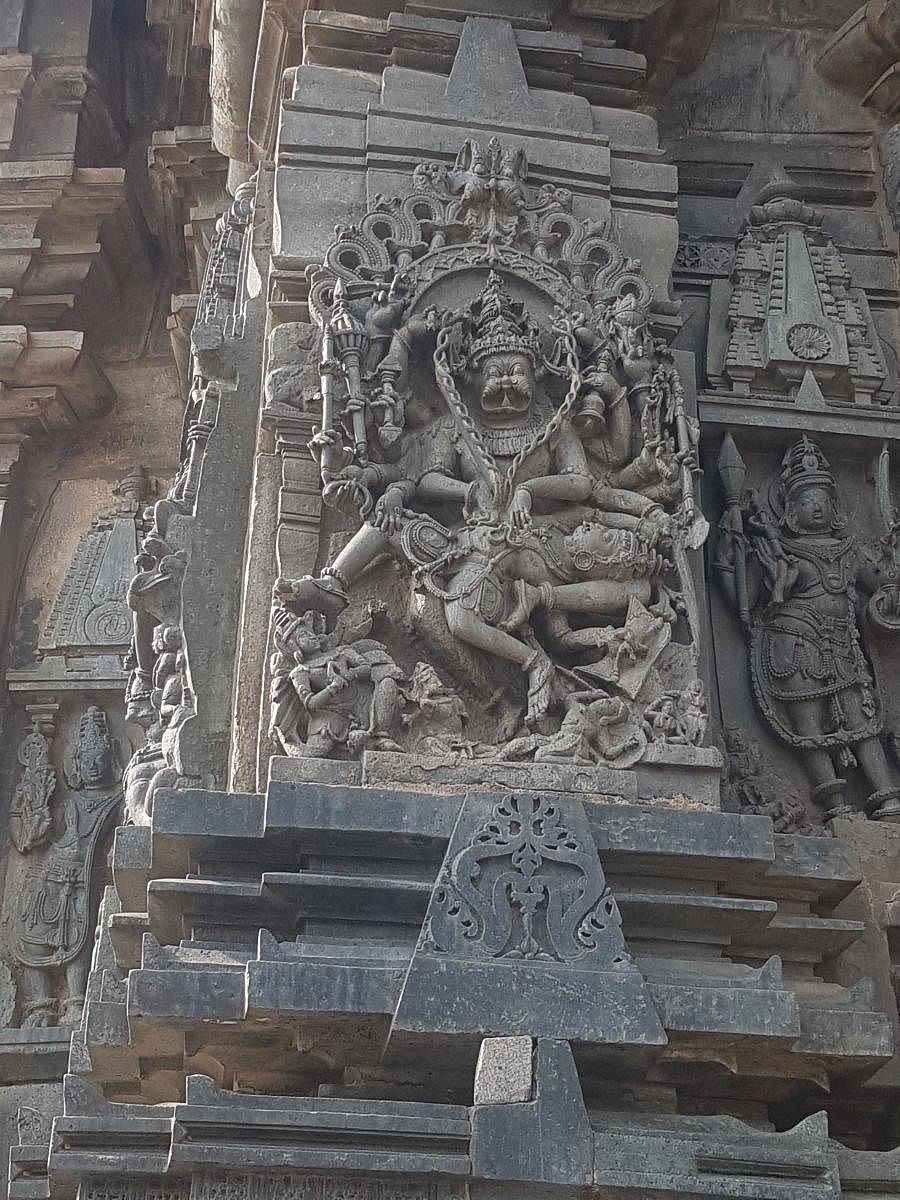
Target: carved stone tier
column 184, row 603
column 477, row 848
column 188, row 174
column 672, row 776
column 419, row 1151
column 321, row 953
column 608, row 157
column 88, row 632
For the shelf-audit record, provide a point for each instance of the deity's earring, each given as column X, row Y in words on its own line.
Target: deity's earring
column 583, row 560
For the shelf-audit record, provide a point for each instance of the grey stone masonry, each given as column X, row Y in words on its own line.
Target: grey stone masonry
column 449, row 599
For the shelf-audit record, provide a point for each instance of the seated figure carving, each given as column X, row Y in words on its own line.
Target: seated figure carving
column 522, row 450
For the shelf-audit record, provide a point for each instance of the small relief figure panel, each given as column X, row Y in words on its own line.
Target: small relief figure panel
column 60, row 818
column 816, row 597
column 514, row 451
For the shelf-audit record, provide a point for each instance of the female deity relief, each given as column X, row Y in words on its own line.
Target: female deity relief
column 53, row 922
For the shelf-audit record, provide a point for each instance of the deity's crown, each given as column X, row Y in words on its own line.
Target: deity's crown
column 499, row 325
column 93, row 731
column 804, row 465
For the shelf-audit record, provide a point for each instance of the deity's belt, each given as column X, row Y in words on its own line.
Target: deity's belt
column 805, row 620
column 838, row 664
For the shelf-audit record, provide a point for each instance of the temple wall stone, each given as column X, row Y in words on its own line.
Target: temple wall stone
column 449, row 599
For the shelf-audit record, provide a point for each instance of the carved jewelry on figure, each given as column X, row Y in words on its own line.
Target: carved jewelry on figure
column 792, row 571
column 53, row 923
column 500, row 420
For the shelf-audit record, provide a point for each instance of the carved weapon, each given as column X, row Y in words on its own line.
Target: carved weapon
column 326, row 384
column 884, row 606
column 733, row 473
column 883, row 489
column 695, row 523
column 350, row 342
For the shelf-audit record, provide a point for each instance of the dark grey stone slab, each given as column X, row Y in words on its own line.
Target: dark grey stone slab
column 689, row 1157
column 847, row 1039
column 187, row 996
column 875, row 1172
column 522, row 934
column 33, row 1055
column 195, row 813
column 545, row 1140
column 370, row 813
column 339, row 988
column 641, row 838
column 314, row 770
column 203, row 1091
column 730, row 1012
column 825, row 867
column 131, row 860
column 333, row 1134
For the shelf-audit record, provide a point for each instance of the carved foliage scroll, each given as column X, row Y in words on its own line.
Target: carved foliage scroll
column 526, row 887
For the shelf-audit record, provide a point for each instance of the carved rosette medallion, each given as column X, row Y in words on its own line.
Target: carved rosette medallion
column 108, row 624
column 809, row 342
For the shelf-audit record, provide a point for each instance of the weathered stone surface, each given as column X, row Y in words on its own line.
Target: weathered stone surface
column 503, row 1073
column 546, row 1139
column 522, row 932
column 493, row 837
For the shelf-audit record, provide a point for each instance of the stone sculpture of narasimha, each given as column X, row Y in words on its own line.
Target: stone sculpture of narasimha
column 504, row 426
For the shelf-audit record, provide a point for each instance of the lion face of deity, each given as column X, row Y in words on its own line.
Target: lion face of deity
column 507, row 388
column 811, row 510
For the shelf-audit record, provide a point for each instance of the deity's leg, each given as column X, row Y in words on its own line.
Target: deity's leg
column 609, row 597
column 464, row 624
column 384, row 713
column 76, row 983
column 527, row 599
column 38, row 1009
column 360, row 552
column 828, row 786
column 469, row 627
column 327, row 594
column 884, row 801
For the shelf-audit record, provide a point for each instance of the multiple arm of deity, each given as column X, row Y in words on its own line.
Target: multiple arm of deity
column 553, row 504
